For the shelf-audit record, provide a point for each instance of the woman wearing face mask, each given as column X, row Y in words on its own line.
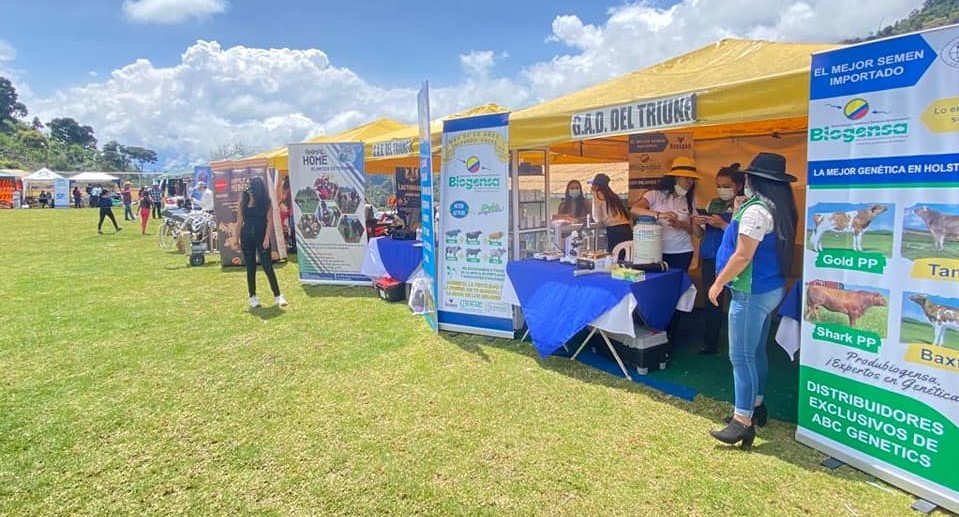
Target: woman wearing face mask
column 609, row 211
column 573, row 204
column 671, row 202
column 754, row 258
column 729, row 184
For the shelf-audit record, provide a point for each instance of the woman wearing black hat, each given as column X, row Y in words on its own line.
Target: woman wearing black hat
column 754, row 258
column 609, row 211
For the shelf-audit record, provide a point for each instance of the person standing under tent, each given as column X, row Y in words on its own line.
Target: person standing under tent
column 729, row 185
column 146, row 203
column 127, row 196
column 77, row 198
column 95, row 195
column 609, row 211
column 106, row 211
column 254, row 217
column 573, row 204
column 754, row 258
column 672, row 202
column 156, row 195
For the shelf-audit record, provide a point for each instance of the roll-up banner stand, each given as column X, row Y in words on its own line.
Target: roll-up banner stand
column 472, row 269
column 879, row 364
column 328, row 183
column 427, row 216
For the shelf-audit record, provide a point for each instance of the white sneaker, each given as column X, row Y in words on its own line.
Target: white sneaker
column 254, row 302
column 281, row 301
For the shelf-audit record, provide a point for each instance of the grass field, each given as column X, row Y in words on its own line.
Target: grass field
column 917, row 245
column 921, row 332
column 134, row 384
column 875, row 242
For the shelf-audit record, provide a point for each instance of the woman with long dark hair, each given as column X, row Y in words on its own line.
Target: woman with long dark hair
column 573, row 204
column 730, row 181
column 254, row 217
column 672, row 202
column 609, row 211
column 754, row 259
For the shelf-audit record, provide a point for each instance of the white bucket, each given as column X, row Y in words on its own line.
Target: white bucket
column 647, row 241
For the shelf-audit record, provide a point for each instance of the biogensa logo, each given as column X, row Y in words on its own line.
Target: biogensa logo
column 468, row 183
column 858, row 133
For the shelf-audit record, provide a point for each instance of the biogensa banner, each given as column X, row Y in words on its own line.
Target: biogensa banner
column 473, row 239
column 879, row 374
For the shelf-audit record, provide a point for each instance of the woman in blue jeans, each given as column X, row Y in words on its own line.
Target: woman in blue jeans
column 754, row 258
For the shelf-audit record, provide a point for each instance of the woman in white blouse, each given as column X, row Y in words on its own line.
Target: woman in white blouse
column 609, row 211
column 672, row 202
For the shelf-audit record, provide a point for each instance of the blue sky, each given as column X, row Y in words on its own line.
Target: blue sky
column 185, row 77
column 383, row 41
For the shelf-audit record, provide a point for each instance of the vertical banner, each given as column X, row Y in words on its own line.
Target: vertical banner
column 228, row 187
column 200, row 173
column 427, row 220
column 408, row 195
column 650, row 157
column 329, row 188
column 61, row 193
column 284, row 196
column 879, row 366
column 473, row 242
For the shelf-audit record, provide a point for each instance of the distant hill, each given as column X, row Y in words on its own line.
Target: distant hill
column 933, row 13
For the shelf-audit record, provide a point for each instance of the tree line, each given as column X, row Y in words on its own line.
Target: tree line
column 62, row 144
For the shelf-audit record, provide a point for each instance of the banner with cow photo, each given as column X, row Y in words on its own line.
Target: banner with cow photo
column 473, row 242
column 328, row 187
column 879, row 364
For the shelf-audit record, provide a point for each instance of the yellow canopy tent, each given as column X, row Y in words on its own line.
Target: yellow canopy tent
column 401, row 148
column 743, row 87
column 279, row 158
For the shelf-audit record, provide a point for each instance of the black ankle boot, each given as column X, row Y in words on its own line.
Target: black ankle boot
column 760, row 416
column 736, row 432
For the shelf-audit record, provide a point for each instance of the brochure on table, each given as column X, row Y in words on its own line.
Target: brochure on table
column 879, row 375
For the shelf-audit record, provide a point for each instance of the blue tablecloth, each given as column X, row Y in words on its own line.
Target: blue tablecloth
column 396, row 258
column 557, row 304
column 792, row 303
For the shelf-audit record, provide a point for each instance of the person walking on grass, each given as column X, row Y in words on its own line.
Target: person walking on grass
column 127, row 195
column 105, row 203
column 146, row 203
column 254, row 216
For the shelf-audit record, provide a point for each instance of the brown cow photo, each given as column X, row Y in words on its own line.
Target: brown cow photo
column 940, row 225
column 853, row 304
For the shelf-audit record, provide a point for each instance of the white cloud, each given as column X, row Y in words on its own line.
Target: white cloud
column 268, row 97
column 638, row 35
column 171, row 11
column 7, row 51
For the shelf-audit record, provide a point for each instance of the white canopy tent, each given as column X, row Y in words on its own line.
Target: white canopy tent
column 94, row 177
column 57, row 183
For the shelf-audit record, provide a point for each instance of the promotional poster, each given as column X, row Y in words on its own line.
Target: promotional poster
column 200, row 173
column 228, row 187
column 474, row 226
column 650, row 157
column 328, row 185
column 879, row 374
column 408, row 195
column 427, row 219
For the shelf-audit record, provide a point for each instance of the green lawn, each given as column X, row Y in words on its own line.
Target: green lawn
column 917, row 245
column 921, row 332
column 874, row 242
column 134, row 384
